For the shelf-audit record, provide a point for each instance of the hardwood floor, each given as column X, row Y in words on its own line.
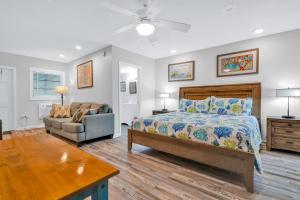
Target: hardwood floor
column 149, row 174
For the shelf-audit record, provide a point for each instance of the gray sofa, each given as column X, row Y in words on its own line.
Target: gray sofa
column 94, row 125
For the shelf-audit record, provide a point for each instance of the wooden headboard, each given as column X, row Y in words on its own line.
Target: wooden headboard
column 252, row 90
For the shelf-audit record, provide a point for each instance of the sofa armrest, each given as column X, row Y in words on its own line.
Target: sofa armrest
column 98, row 125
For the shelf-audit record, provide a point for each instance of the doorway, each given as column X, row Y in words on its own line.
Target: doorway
column 7, row 100
column 129, row 92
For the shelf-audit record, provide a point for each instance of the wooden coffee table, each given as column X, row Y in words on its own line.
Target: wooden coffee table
column 44, row 167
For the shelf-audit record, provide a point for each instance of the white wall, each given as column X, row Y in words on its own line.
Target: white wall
column 101, row 92
column 278, row 68
column 25, row 106
column 147, row 73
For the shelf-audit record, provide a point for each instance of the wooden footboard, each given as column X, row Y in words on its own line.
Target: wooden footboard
column 231, row 160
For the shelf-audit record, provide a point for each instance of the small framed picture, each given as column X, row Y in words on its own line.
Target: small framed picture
column 132, row 87
column 85, row 75
column 238, row 63
column 184, row 71
column 123, row 86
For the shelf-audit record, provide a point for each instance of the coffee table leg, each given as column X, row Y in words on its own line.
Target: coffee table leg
column 102, row 192
column 98, row 192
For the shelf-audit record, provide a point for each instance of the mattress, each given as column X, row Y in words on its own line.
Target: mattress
column 240, row 133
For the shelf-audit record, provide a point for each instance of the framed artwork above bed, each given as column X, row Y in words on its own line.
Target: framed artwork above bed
column 238, row 63
column 184, row 71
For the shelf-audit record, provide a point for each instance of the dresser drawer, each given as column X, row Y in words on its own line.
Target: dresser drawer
column 286, row 132
column 286, row 124
column 285, row 143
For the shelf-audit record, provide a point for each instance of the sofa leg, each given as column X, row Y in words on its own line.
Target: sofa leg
column 111, row 136
column 78, row 144
column 47, row 131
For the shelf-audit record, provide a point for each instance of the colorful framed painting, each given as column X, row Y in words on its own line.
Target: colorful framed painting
column 238, row 63
column 184, row 71
column 85, row 75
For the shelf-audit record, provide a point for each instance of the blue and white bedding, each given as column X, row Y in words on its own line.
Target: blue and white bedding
column 227, row 131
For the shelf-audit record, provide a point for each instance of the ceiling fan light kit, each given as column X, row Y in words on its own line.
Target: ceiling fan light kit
column 145, row 29
column 146, row 21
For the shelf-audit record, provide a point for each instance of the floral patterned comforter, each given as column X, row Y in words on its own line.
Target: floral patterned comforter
column 228, row 131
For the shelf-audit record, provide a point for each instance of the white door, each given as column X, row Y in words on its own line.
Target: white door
column 6, row 98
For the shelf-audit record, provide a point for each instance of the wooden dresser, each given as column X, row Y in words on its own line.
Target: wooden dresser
column 283, row 134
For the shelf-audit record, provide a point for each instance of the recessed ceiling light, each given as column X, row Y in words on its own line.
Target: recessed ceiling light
column 145, row 29
column 61, row 55
column 258, row 31
column 78, row 47
column 173, row 51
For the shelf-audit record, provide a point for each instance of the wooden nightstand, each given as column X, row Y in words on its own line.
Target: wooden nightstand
column 157, row 112
column 283, row 134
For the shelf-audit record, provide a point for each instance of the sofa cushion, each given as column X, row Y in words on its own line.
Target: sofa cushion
column 73, row 127
column 104, row 108
column 57, row 122
column 74, row 107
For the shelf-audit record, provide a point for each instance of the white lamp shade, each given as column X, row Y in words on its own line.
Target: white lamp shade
column 61, row 89
column 288, row 92
column 164, row 95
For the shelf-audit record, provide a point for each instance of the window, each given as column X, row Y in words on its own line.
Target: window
column 43, row 82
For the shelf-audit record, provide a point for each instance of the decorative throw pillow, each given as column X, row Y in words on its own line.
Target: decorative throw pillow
column 62, row 112
column 79, row 115
column 230, row 106
column 247, row 107
column 194, row 106
column 54, row 107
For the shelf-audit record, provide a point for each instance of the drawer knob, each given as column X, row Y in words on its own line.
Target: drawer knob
column 288, row 142
column 290, row 124
column 289, row 131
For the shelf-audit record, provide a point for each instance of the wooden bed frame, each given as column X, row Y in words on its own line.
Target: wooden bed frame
column 232, row 160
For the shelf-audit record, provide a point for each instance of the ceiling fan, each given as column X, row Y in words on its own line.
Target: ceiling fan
column 146, row 23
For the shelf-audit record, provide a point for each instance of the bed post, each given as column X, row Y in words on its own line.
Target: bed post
column 129, row 140
column 249, row 174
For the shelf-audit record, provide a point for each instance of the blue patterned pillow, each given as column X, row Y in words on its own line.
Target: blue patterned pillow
column 230, row 106
column 194, row 106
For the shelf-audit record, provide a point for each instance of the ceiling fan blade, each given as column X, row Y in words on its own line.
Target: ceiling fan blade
column 124, row 29
column 182, row 27
column 118, row 9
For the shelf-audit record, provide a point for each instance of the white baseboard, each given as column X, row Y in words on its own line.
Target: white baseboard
column 30, row 127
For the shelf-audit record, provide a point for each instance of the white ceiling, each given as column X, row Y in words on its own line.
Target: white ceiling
column 47, row 28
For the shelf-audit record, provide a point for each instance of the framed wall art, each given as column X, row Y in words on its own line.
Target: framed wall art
column 238, row 63
column 123, row 86
column 85, row 75
column 132, row 87
column 184, row 71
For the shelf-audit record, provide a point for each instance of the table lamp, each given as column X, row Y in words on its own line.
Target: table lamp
column 164, row 96
column 62, row 90
column 288, row 92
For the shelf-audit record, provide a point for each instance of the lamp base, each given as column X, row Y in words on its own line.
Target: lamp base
column 288, row 117
column 165, row 110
